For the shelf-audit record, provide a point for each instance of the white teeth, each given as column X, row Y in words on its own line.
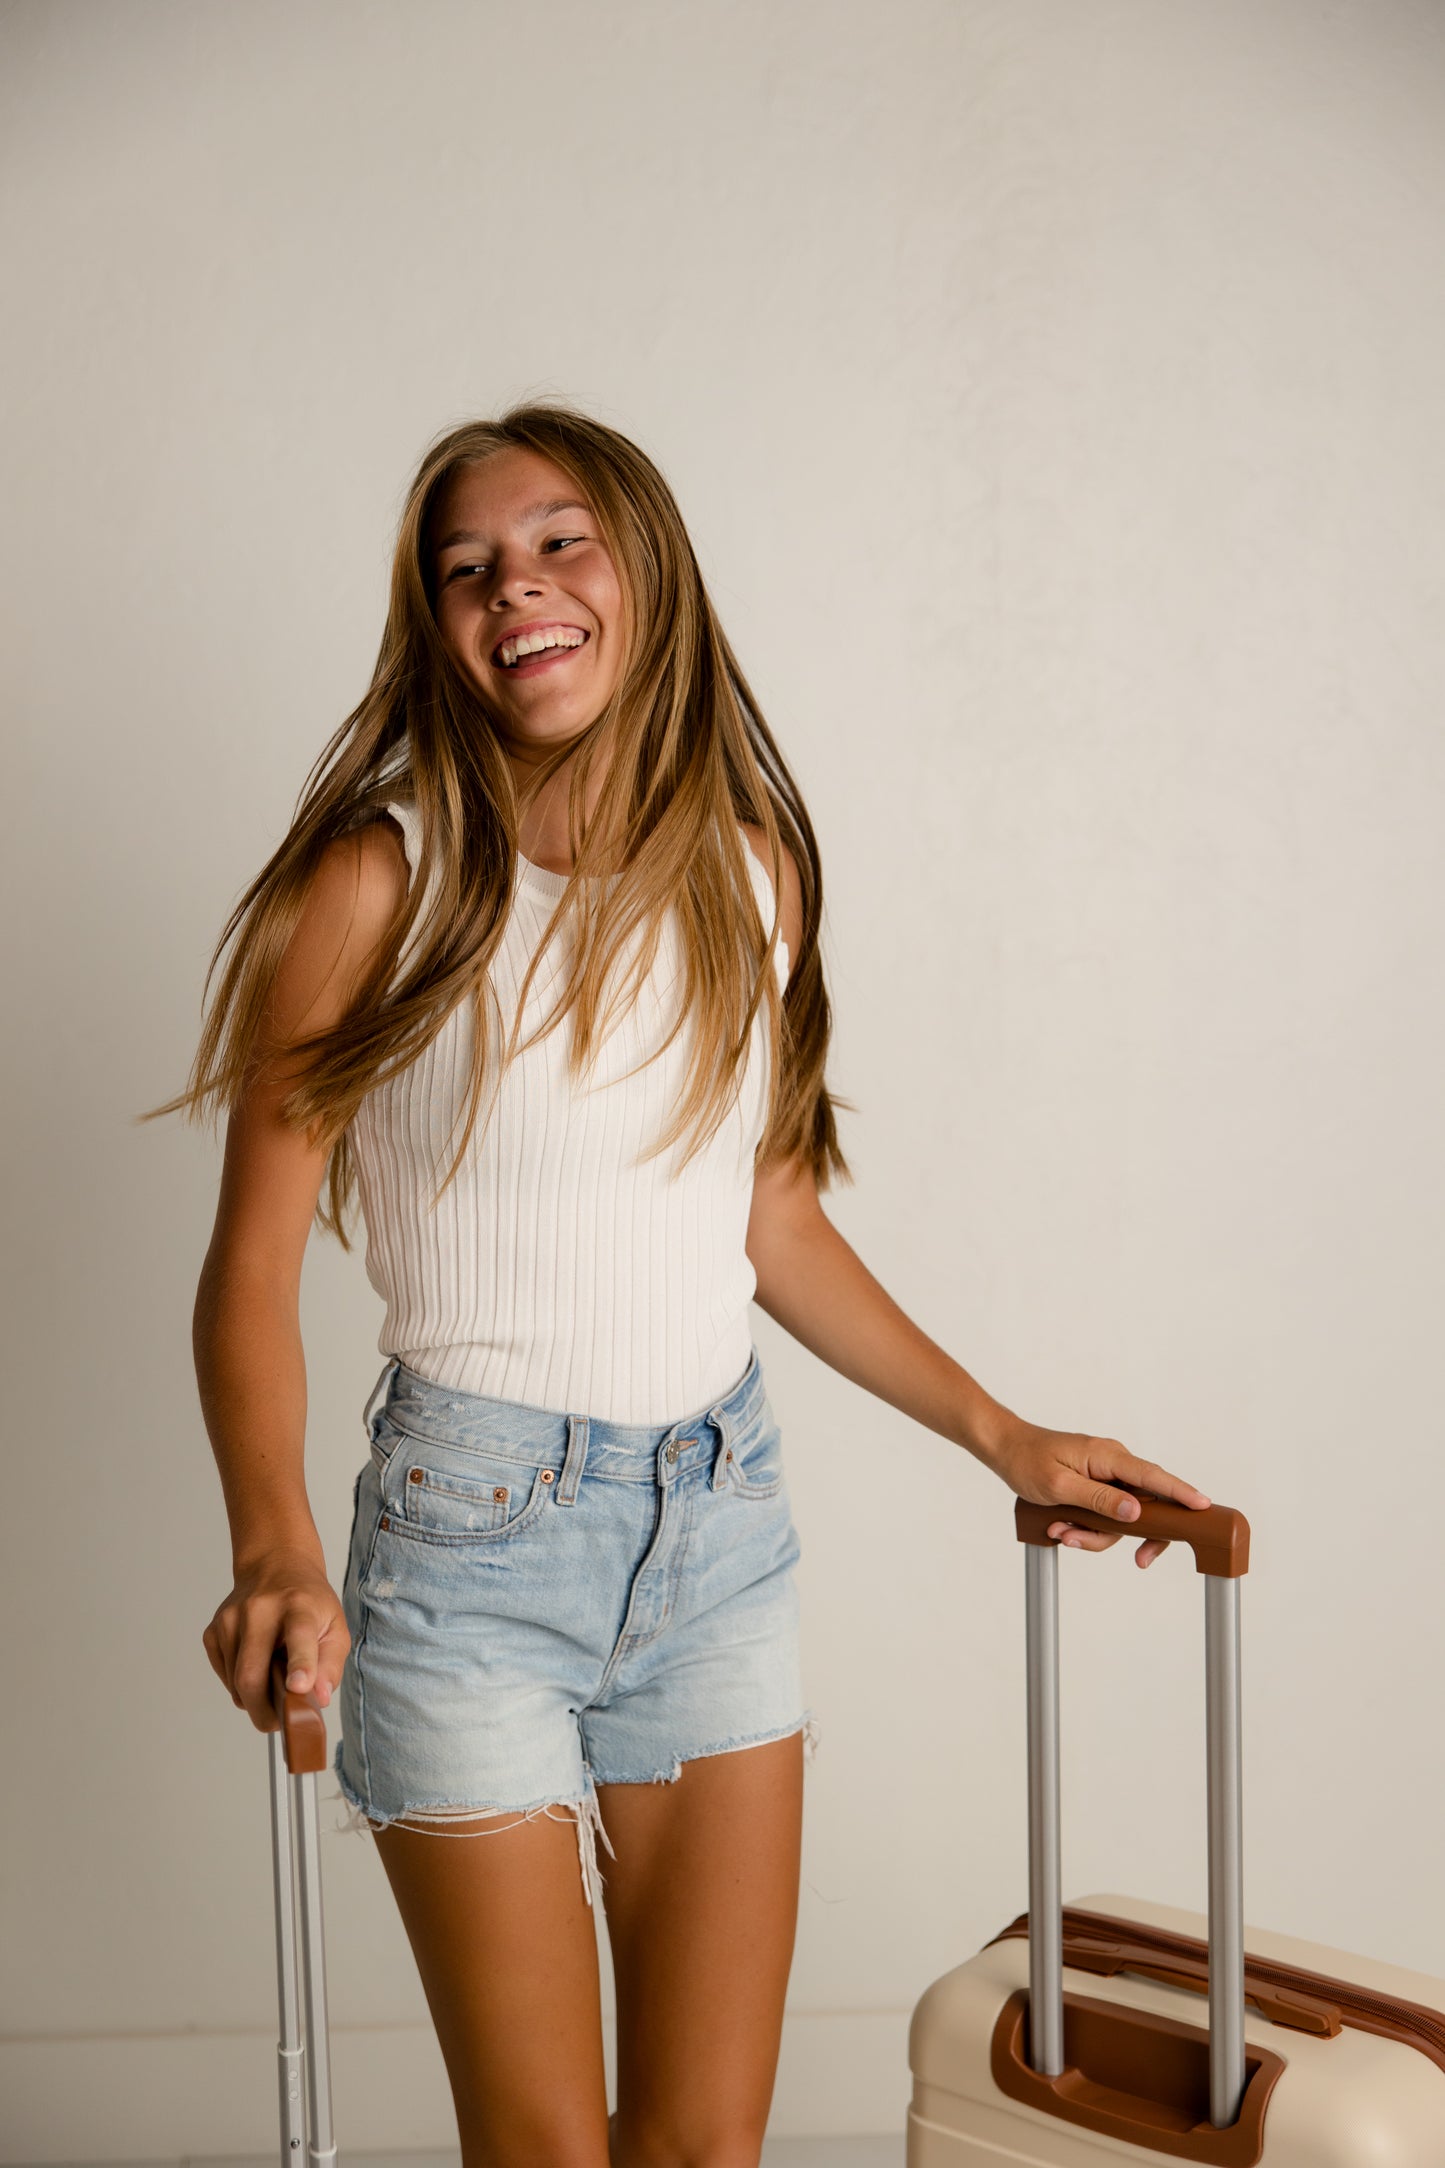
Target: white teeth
column 534, row 643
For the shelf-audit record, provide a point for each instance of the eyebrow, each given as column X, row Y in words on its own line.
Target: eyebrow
column 533, row 511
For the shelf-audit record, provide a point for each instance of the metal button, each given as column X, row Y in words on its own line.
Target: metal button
column 500, row 1494
column 416, row 1475
column 670, row 1451
column 548, row 1474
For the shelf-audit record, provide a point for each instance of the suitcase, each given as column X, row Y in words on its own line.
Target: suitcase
column 298, row 1756
column 1074, row 2039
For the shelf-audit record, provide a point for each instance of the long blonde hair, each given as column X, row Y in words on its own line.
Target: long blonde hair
column 691, row 757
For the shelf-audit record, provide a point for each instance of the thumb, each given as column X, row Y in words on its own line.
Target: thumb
column 1106, row 1499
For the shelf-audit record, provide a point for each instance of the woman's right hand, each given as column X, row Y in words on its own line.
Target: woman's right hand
column 283, row 1598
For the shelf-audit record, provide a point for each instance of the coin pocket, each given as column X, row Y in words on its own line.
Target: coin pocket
column 755, row 1466
column 455, row 1496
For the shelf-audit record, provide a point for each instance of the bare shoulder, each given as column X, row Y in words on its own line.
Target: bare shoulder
column 791, row 901
column 350, row 904
column 273, row 1171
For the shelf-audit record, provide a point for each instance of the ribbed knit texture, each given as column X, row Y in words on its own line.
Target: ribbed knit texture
column 554, row 1270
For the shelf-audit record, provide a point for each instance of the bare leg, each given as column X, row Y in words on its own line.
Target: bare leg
column 506, row 1947
column 702, row 1910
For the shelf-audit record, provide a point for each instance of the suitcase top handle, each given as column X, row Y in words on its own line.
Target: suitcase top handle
column 303, row 1727
column 1217, row 1535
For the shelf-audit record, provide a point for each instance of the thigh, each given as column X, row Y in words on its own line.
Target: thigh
column 702, row 1907
column 506, row 1947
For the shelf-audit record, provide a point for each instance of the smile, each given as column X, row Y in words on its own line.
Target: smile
column 533, row 648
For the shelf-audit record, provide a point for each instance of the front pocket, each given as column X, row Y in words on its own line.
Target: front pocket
column 454, row 1494
column 755, row 1465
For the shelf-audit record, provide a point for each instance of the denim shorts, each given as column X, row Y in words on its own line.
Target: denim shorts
column 540, row 1603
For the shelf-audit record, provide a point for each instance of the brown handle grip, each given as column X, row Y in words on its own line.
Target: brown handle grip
column 1281, row 2005
column 1218, row 1535
column 303, row 1727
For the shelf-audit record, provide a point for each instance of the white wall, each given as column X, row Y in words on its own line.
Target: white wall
column 1053, row 393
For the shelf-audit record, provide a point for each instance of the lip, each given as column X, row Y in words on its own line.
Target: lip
column 537, row 624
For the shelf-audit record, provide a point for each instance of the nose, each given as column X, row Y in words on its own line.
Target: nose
column 512, row 573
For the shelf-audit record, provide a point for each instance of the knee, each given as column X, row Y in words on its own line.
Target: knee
column 735, row 2147
column 538, row 2149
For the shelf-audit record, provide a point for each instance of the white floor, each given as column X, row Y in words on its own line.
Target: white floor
column 777, row 2153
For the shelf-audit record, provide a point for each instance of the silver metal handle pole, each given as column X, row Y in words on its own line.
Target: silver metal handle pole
column 290, row 2051
column 1226, row 1850
column 1046, row 1916
column 313, row 1967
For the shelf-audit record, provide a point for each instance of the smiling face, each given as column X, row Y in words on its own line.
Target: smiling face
column 518, row 553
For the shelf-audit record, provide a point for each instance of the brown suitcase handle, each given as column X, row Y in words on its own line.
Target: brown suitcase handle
column 1281, row 2005
column 303, row 1727
column 1217, row 1535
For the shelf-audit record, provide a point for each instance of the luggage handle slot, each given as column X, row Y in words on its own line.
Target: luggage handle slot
column 1136, row 2077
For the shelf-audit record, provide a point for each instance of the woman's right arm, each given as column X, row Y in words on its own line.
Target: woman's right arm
column 246, row 1332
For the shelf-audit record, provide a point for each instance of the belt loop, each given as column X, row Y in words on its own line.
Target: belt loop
column 720, row 1418
column 392, row 1365
column 576, row 1455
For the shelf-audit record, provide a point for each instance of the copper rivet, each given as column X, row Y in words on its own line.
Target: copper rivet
column 500, row 1492
column 386, row 1520
column 416, row 1475
column 547, row 1475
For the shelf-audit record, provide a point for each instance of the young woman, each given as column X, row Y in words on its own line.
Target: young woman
column 537, row 971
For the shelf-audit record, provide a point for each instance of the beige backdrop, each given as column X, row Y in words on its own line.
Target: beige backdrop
column 1053, row 394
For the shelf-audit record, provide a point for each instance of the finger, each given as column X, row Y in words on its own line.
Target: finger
column 252, row 1679
column 1127, row 1467
column 335, row 1647
column 299, row 1632
column 221, row 1648
column 1095, row 1495
column 1106, row 1458
column 1071, row 1537
column 1084, row 1539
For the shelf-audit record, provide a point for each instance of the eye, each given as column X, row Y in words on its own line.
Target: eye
column 459, row 571
column 563, row 539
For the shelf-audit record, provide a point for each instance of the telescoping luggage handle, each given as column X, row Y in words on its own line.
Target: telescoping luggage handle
column 1219, row 1537
column 298, row 1755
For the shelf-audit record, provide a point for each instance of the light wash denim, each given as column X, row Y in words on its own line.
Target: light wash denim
column 540, row 1603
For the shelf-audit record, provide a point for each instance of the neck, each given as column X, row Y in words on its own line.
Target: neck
column 543, row 833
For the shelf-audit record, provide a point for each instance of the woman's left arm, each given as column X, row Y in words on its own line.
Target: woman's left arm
column 818, row 1288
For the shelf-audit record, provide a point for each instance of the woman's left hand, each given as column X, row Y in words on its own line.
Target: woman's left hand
column 1066, row 1468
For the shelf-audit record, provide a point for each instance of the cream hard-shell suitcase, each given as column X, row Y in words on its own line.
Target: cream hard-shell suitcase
column 1074, row 2038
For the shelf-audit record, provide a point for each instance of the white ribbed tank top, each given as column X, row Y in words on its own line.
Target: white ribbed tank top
column 555, row 1271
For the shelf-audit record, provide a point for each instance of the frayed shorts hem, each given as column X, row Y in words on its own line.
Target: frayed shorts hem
column 431, row 1819
column 807, row 1724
